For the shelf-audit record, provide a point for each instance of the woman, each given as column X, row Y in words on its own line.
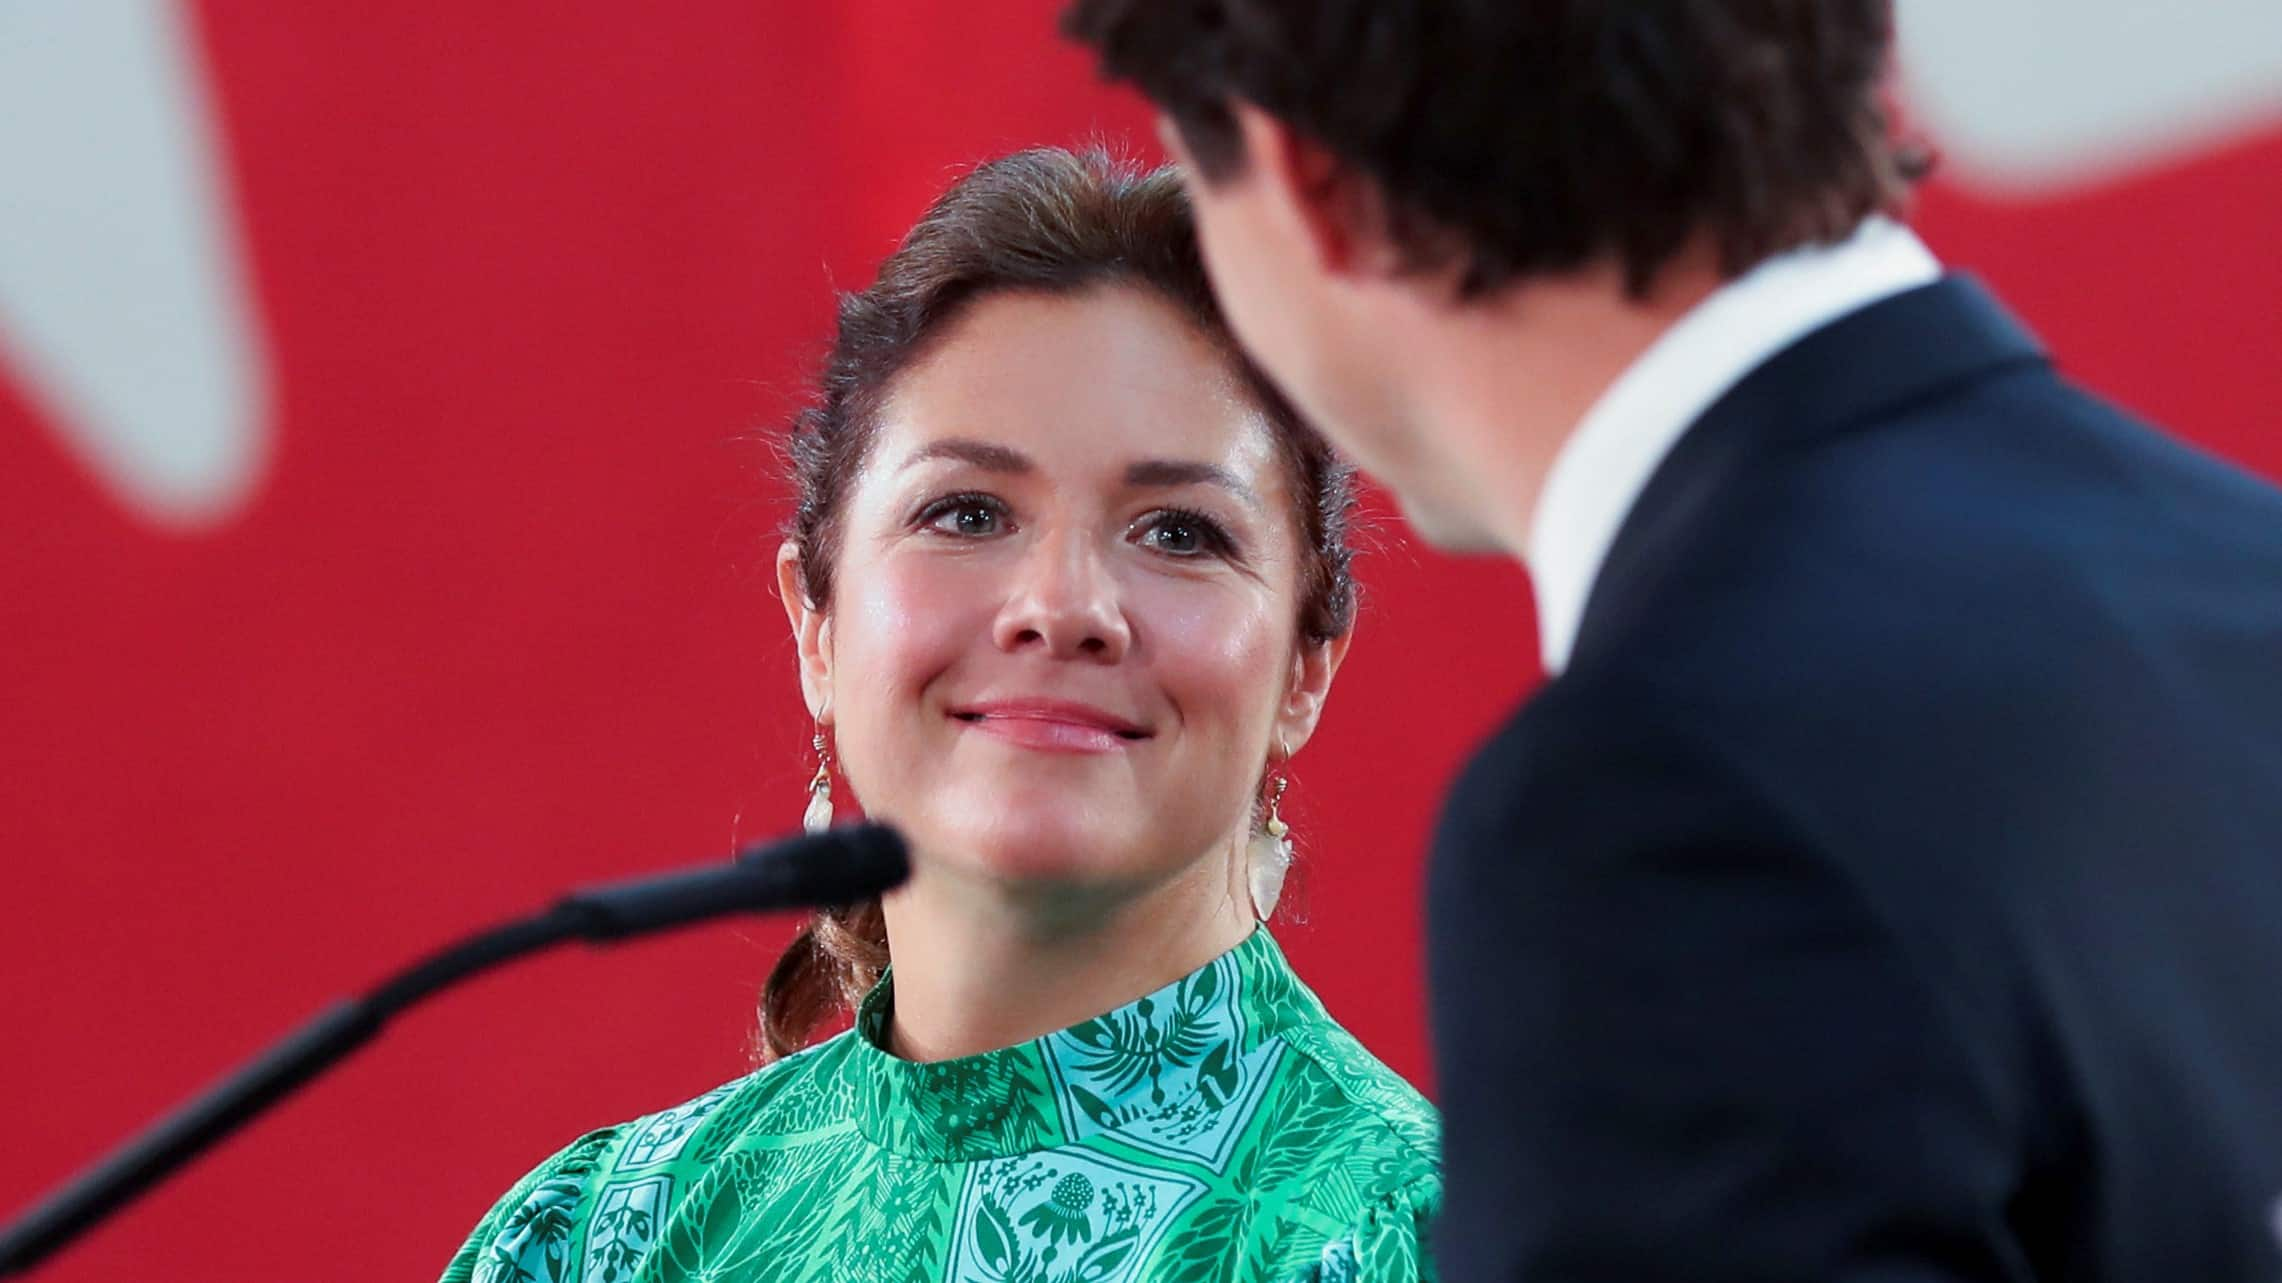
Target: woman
column 1069, row 586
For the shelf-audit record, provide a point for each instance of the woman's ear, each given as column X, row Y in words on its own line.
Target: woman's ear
column 811, row 632
column 1314, row 664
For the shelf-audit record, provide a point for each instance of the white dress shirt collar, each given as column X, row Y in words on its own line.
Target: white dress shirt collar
column 1607, row 460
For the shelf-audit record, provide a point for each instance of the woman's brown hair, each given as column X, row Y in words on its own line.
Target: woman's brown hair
column 1041, row 221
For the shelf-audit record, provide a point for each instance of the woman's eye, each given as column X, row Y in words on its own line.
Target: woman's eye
column 1180, row 534
column 1173, row 536
column 966, row 518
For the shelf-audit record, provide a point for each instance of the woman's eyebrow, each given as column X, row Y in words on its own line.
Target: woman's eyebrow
column 982, row 454
column 1186, row 472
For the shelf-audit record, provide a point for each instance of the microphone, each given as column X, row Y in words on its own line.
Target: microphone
column 840, row 866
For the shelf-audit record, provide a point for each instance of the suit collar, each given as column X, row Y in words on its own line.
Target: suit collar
column 1851, row 372
column 1615, row 448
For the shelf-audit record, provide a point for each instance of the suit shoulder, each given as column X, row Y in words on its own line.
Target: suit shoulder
column 1601, row 736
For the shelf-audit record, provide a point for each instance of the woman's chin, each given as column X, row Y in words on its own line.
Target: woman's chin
column 1047, row 862
column 1044, row 853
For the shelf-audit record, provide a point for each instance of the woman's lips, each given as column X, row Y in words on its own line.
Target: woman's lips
column 1052, row 726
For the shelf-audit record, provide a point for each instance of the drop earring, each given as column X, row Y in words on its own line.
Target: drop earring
column 1269, row 854
column 818, row 817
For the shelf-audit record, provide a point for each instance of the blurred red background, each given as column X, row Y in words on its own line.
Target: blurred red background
column 536, row 281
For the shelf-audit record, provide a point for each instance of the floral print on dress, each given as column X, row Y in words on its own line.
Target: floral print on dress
column 1071, row 1216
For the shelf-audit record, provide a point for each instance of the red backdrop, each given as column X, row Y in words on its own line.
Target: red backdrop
column 498, row 618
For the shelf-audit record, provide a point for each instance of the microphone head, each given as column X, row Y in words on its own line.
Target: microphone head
column 842, row 866
column 838, row 866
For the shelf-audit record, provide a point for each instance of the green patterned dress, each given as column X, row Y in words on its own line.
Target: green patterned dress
column 1222, row 1128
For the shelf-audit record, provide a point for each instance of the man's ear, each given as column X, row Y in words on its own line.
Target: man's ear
column 1333, row 209
column 811, row 632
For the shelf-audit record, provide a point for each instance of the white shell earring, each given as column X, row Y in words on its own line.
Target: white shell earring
column 1268, row 856
column 818, row 817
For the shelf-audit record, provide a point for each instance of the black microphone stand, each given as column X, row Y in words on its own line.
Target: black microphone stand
column 601, row 914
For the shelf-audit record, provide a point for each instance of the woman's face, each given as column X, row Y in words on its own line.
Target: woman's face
column 1062, row 643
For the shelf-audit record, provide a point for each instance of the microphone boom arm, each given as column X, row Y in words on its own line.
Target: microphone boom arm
column 600, row 914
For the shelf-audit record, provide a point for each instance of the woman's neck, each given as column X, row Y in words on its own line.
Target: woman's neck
column 977, row 968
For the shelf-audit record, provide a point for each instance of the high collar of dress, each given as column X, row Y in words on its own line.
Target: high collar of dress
column 1168, row 1072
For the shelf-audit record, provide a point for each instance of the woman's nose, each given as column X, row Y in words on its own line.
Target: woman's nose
column 1065, row 601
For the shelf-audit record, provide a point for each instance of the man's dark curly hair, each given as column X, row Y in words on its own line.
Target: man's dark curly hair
column 1512, row 138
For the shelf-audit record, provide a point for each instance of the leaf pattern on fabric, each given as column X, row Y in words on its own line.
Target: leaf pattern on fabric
column 727, row 1123
column 975, row 1107
column 1178, row 1072
column 1207, row 1246
column 537, row 1234
column 902, row 1221
column 1220, row 1129
column 1304, row 1121
column 530, row 1234
column 1356, row 1074
column 660, row 1137
column 1387, row 1247
column 686, row 1249
column 624, row 1227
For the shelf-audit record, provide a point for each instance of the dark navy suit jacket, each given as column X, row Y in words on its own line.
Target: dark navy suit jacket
column 1891, row 887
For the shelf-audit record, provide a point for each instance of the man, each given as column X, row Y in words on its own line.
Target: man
column 1887, row 885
